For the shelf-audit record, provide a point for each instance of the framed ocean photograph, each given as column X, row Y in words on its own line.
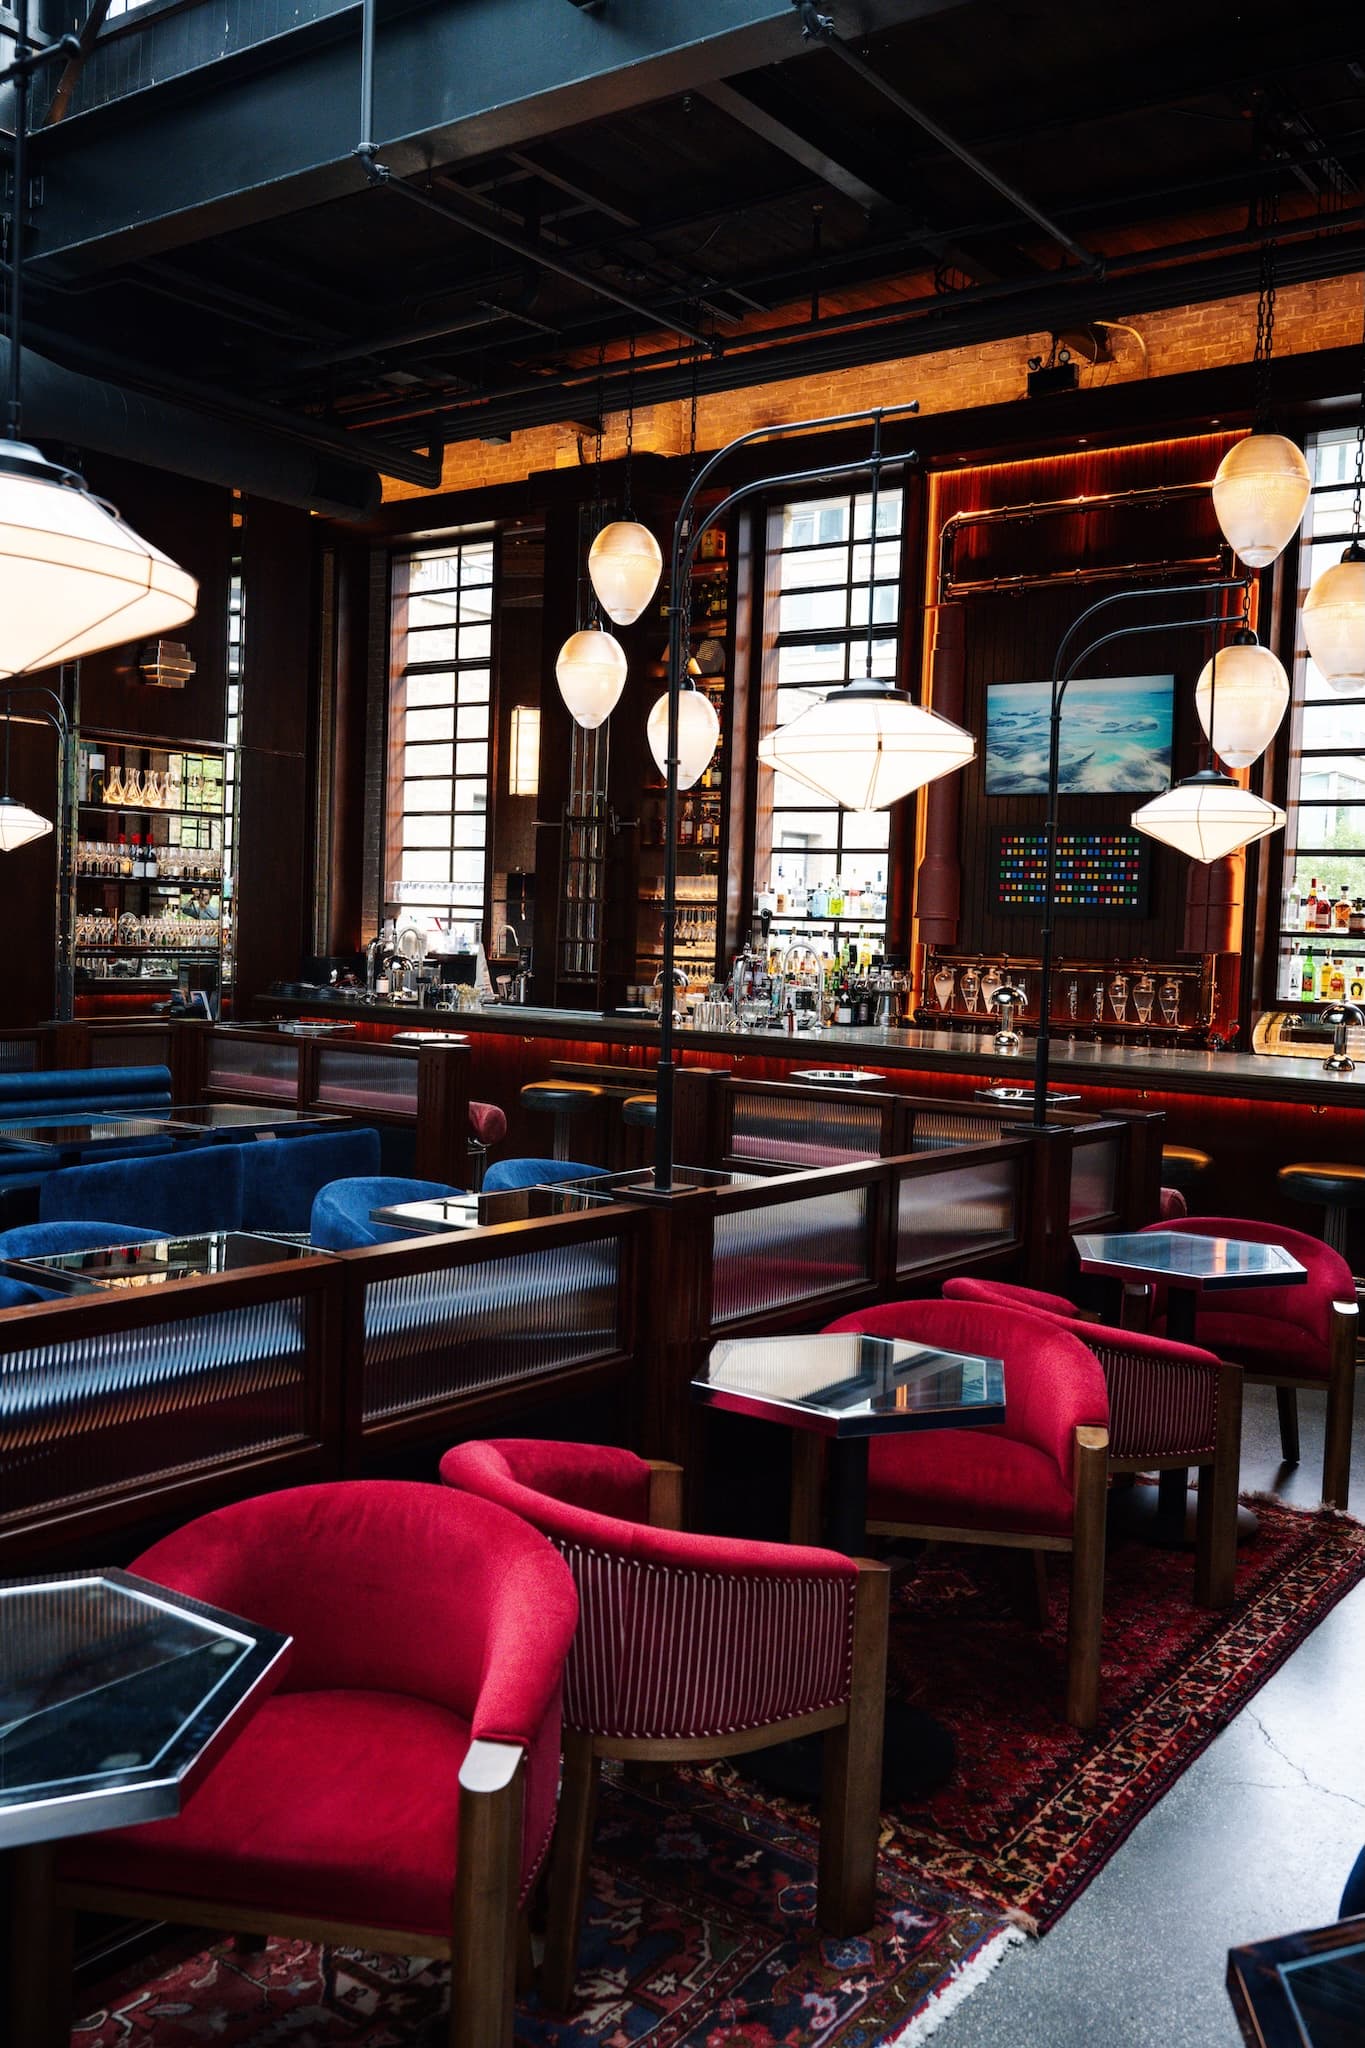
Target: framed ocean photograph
column 1116, row 736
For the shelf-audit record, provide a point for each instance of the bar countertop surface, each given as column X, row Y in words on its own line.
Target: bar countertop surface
column 1074, row 1062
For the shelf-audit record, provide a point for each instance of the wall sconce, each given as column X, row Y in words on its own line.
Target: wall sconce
column 165, row 664
column 524, row 776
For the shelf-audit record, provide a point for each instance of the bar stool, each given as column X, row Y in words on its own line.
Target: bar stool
column 640, row 1111
column 1182, row 1166
column 564, row 1101
column 1330, row 1186
column 487, row 1126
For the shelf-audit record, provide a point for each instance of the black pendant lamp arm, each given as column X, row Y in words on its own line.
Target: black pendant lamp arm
column 681, row 560
column 1064, row 670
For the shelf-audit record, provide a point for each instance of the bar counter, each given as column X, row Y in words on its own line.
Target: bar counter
column 930, row 1060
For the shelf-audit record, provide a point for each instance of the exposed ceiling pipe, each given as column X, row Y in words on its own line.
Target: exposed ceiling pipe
column 820, row 28
column 62, row 405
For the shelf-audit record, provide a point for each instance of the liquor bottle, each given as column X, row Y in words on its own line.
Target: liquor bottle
column 1293, row 908
column 1294, row 990
column 1357, row 924
column 149, row 865
column 780, row 892
column 1310, row 905
column 1323, row 920
column 139, row 867
column 836, row 897
column 853, row 897
column 818, row 901
column 687, row 828
column 94, row 777
column 1336, row 988
column 799, row 898
column 1309, row 986
column 1341, row 910
column 767, row 902
column 1356, row 984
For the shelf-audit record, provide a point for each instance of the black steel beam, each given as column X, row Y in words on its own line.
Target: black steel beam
column 274, row 129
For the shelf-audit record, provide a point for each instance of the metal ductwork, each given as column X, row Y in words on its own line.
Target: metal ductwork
column 65, row 406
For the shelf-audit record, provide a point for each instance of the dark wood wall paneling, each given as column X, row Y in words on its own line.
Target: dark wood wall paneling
column 1012, row 637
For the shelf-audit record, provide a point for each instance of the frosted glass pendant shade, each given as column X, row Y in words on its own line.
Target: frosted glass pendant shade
column 698, row 731
column 866, row 745
column 1248, row 701
column 625, row 564
column 18, row 824
column 1259, row 494
column 74, row 577
column 591, row 673
column 1334, row 622
column 1208, row 815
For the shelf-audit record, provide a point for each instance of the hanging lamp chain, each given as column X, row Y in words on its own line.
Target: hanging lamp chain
column 873, row 509
column 1359, row 481
column 691, row 472
column 1265, row 303
column 594, row 609
column 630, row 430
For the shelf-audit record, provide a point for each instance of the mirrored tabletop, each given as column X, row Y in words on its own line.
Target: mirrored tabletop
column 1302, row 1990
column 80, row 1132
column 481, row 1212
column 842, row 1384
column 245, row 1116
column 1184, row 1259
column 159, row 1260
column 115, row 1694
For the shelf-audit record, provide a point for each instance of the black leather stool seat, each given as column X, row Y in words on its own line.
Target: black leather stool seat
column 1327, row 1184
column 561, row 1098
column 639, row 1109
column 1181, row 1165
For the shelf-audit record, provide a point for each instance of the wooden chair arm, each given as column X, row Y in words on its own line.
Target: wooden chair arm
column 665, row 1494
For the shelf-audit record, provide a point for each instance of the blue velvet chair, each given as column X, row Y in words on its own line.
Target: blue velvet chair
column 280, row 1182
column 341, row 1211
column 65, row 1094
column 200, row 1189
column 47, row 1240
column 535, row 1173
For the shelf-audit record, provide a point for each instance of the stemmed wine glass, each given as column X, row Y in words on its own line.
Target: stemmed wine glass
column 1118, row 996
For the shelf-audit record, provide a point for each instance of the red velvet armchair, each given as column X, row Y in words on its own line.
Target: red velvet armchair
column 398, row 1791
column 1171, row 1406
column 1035, row 1482
column 692, row 1647
column 1291, row 1337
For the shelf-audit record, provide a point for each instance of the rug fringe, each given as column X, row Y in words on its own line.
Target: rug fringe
column 959, row 1987
column 1321, row 1510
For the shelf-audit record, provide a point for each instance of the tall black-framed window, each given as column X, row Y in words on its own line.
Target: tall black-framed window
column 440, row 735
column 1325, row 799
column 822, row 574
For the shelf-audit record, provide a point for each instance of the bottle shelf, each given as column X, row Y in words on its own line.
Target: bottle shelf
column 90, row 952
column 210, row 815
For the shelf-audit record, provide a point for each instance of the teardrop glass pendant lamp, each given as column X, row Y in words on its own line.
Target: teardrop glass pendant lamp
column 1208, row 815
column 1334, row 623
column 1245, row 701
column 18, row 824
column 1259, row 495
column 866, row 745
column 698, row 731
column 625, row 564
column 591, row 673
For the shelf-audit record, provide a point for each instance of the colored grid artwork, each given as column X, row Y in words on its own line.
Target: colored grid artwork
column 1099, row 874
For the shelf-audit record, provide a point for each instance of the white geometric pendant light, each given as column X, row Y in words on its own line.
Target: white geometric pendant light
column 591, row 673
column 18, row 824
column 698, row 731
column 1208, row 815
column 74, row 577
column 1249, row 696
column 1259, row 495
column 866, row 745
column 1334, row 622
column 625, row 564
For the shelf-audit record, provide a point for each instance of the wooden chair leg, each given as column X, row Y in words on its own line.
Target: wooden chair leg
column 1028, row 1571
column 569, row 1870
column 1215, row 1561
column 483, row 1961
column 1085, row 1619
column 526, row 1962
column 43, row 1958
column 1287, row 1405
column 851, row 1793
column 1341, row 1394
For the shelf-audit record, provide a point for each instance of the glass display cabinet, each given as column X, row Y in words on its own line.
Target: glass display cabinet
column 1144, row 1002
column 153, row 907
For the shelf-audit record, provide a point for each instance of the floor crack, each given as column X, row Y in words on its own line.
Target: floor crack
column 1329, row 1791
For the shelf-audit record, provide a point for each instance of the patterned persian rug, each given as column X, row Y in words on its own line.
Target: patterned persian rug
column 701, row 1932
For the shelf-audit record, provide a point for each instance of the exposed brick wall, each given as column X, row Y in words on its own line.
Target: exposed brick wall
column 1307, row 317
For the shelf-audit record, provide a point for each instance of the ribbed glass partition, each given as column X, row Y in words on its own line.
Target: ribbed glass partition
column 787, row 1131
column 788, row 1252
column 253, row 1067
column 432, row 1336
column 941, row 1130
column 367, row 1080
column 947, row 1215
column 1094, row 1177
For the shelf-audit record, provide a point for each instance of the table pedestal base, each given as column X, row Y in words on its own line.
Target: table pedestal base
column 918, row 1755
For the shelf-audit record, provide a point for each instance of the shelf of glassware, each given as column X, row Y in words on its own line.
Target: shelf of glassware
column 1149, row 1001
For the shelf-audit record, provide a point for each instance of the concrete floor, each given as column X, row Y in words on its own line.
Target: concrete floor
column 1256, row 1839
